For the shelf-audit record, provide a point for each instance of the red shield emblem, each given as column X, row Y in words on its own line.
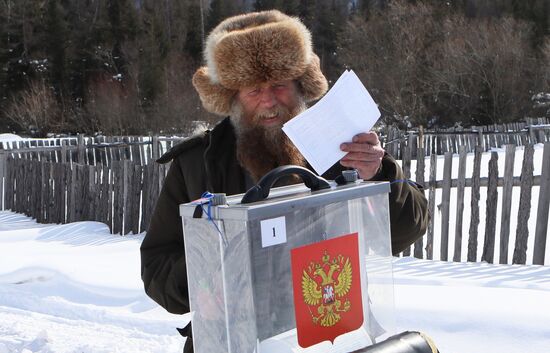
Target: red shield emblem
column 327, row 289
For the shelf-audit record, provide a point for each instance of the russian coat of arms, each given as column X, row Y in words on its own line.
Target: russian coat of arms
column 325, row 285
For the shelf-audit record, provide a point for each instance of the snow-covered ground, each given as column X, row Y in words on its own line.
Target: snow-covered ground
column 77, row 288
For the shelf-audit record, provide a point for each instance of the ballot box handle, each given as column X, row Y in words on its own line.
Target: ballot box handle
column 261, row 190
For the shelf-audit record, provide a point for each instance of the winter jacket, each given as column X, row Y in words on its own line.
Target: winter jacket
column 208, row 162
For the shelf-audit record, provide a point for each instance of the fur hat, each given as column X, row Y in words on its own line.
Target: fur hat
column 257, row 47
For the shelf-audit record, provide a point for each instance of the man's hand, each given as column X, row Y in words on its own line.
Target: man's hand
column 364, row 154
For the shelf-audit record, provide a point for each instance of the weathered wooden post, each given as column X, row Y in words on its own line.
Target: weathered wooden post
column 63, row 154
column 474, row 205
column 542, row 209
column 446, row 196
column 532, row 134
column 524, row 212
column 419, row 179
column 81, row 149
column 460, row 203
column 3, row 162
column 155, row 148
column 431, row 207
column 491, row 210
column 506, row 202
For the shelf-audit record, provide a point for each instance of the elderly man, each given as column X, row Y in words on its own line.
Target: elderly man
column 260, row 72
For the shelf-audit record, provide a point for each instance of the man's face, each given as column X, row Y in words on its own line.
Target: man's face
column 268, row 105
column 258, row 115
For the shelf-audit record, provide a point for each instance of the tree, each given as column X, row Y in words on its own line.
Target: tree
column 486, row 70
column 55, row 42
column 391, row 52
column 36, row 110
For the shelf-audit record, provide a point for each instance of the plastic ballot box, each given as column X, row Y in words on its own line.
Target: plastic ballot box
column 300, row 268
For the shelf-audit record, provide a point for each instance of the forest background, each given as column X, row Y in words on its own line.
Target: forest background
column 124, row 67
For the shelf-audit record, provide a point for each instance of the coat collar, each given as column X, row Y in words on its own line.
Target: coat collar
column 223, row 172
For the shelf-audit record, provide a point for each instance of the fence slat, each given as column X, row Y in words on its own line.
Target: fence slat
column 445, row 203
column 118, row 196
column 474, row 206
column 491, row 211
column 92, row 192
column 8, row 188
column 62, row 193
column 522, row 230
column 44, row 193
column 58, row 191
column 506, row 203
column 431, row 207
column 460, row 203
column 542, row 209
column 419, row 179
column 155, row 148
column 406, row 152
column 3, row 162
column 147, row 208
column 109, row 174
column 127, row 172
column 71, row 185
column 137, row 186
column 31, row 187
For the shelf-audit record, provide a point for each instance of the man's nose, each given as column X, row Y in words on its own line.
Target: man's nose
column 267, row 98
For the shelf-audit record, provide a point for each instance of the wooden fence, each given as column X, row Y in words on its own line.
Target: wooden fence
column 122, row 195
column 113, row 181
column 91, row 150
column 142, row 150
column 424, row 248
column 106, row 179
column 441, row 141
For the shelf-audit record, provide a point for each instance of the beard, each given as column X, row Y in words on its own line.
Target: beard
column 263, row 148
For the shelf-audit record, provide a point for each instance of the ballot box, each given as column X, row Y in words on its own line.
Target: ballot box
column 300, row 268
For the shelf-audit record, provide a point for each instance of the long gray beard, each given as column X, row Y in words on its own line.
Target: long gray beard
column 261, row 149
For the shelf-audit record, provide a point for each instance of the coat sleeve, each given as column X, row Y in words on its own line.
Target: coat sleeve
column 163, row 268
column 408, row 206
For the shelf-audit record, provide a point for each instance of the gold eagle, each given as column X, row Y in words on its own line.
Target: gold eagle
column 313, row 292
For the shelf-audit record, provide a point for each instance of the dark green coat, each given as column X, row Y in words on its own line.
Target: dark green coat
column 208, row 162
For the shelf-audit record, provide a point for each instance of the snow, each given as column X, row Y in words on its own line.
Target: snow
column 10, row 138
column 475, row 307
column 77, row 288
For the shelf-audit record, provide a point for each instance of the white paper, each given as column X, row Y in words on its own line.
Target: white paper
column 273, row 231
column 345, row 111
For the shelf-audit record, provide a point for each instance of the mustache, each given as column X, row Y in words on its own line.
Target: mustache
column 275, row 111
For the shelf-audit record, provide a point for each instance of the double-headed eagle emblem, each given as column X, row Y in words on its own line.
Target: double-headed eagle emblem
column 323, row 292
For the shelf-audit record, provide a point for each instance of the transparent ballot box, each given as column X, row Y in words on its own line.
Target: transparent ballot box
column 298, row 269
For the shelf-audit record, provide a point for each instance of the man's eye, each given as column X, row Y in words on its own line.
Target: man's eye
column 254, row 92
column 279, row 86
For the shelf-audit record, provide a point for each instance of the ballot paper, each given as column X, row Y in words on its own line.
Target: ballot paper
column 345, row 111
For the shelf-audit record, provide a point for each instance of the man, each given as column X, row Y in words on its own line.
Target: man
column 261, row 71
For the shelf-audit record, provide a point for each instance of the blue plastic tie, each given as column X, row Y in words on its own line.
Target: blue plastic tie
column 207, row 196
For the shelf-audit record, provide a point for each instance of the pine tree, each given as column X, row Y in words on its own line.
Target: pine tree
column 194, row 38
column 217, row 12
column 55, row 42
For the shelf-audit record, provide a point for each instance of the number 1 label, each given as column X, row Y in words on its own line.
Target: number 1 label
column 273, row 231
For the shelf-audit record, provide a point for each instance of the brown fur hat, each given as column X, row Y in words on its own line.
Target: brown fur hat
column 257, row 47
